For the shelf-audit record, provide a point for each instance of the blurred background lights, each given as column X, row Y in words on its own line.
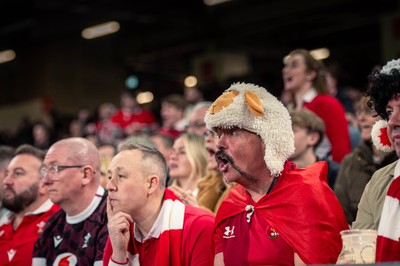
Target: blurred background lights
column 132, row 82
column 190, row 81
column 144, row 97
column 321, row 53
column 6, row 56
column 100, row 30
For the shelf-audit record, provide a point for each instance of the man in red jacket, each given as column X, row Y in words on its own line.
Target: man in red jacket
column 277, row 215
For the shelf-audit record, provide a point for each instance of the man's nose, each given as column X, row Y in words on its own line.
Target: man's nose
column 221, row 145
column 110, row 185
column 7, row 180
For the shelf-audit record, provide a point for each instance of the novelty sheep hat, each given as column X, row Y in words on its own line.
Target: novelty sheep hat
column 251, row 107
column 379, row 135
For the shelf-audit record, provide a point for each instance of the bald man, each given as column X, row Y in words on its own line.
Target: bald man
column 77, row 234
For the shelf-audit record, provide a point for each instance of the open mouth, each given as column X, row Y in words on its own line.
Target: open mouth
column 211, row 152
column 223, row 160
column 173, row 166
column 287, row 79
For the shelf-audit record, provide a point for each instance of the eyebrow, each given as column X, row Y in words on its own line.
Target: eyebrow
column 18, row 169
column 118, row 168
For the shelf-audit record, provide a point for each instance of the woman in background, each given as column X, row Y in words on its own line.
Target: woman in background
column 187, row 164
column 304, row 79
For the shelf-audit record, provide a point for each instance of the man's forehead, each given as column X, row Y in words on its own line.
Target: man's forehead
column 395, row 100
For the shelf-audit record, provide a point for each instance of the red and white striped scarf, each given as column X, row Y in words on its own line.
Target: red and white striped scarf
column 168, row 229
column 388, row 241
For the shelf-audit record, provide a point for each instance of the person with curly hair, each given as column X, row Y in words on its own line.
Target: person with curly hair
column 379, row 206
column 359, row 165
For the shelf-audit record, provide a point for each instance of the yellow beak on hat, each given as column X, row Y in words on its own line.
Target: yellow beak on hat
column 222, row 101
column 253, row 103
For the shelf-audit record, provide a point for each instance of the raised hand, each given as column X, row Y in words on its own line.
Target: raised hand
column 119, row 225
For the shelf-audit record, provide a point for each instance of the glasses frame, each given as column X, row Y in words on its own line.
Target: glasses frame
column 56, row 169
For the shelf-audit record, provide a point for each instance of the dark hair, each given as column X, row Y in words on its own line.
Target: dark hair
column 383, row 87
column 29, row 149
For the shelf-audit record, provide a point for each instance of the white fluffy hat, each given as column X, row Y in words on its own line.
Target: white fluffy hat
column 251, row 107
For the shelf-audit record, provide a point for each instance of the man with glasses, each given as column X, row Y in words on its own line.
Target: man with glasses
column 29, row 206
column 277, row 214
column 196, row 124
column 77, row 234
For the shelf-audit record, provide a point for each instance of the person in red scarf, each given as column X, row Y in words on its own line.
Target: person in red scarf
column 147, row 223
column 379, row 205
column 277, row 215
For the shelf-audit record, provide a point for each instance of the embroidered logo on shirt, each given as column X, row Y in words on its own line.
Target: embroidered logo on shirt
column 11, row 254
column 87, row 237
column 272, row 233
column 40, row 227
column 229, row 233
column 57, row 240
column 66, row 259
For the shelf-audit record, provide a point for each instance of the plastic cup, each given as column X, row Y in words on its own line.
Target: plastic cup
column 359, row 246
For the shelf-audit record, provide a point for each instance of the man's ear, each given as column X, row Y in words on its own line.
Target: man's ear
column 313, row 138
column 88, row 174
column 153, row 183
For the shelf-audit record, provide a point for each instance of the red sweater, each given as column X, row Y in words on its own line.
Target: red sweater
column 331, row 111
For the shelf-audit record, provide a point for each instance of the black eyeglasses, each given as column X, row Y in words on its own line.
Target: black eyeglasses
column 55, row 169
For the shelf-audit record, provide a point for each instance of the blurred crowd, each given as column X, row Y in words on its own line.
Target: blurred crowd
column 185, row 142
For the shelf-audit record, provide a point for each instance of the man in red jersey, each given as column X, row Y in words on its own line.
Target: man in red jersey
column 277, row 215
column 148, row 224
column 132, row 118
column 29, row 205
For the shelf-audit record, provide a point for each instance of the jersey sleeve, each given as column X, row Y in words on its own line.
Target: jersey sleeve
column 101, row 244
column 39, row 256
column 218, row 244
column 107, row 252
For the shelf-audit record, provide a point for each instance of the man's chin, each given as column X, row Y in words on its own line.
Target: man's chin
column 229, row 178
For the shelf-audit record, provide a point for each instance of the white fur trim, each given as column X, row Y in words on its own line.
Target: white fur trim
column 376, row 136
column 274, row 127
column 393, row 64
